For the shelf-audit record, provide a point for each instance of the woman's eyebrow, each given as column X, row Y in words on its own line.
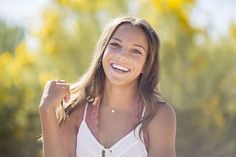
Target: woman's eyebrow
column 116, row 39
column 137, row 45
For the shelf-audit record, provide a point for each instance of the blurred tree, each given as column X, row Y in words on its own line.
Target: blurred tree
column 10, row 36
column 197, row 78
column 18, row 90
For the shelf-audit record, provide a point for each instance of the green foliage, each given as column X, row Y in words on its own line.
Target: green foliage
column 9, row 36
column 18, row 91
column 198, row 75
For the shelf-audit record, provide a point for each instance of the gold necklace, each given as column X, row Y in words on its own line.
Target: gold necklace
column 113, row 110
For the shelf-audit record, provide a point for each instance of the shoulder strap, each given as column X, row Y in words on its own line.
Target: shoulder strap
column 85, row 111
column 144, row 108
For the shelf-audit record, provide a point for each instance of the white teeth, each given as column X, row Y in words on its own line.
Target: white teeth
column 119, row 67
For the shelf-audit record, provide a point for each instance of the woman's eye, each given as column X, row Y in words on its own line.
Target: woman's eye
column 115, row 45
column 137, row 51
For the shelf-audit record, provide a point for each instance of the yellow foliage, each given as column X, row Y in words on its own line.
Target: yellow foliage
column 213, row 115
column 164, row 6
column 50, row 47
column 183, row 17
column 45, row 76
column 13, row 66
column 233, row 30
column 51, row 19
column 22, row 59
column 5, row 61
column 30, row 94
column 22, row 55
column 47, row 33
column 176, row 12
column 231, row 107
column 81, row 5
column 85, row 6
column 102, row 4
column 198, row 63
column 219, row 119
column 174, row 4
column 5, row 58
column 168, row 5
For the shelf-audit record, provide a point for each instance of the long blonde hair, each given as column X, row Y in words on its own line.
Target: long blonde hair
column 91, row 83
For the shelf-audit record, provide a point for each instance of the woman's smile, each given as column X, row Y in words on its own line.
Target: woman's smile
column 120, row 68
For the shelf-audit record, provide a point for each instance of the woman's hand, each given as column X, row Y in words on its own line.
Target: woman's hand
column 55, row 91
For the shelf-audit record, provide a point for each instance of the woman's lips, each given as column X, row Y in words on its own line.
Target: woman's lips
column 120, row 67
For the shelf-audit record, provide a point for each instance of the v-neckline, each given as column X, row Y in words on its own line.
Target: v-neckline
column 117, row 142
column 113, row 145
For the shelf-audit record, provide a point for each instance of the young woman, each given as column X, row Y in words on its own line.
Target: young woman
column 115, row 109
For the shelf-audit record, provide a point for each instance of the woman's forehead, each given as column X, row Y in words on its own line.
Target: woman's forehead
column 130, row 33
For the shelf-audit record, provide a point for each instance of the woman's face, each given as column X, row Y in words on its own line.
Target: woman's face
column 125, row 55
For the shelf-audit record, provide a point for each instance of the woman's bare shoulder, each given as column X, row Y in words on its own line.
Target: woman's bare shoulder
column 165, row 117
column 166, row 112
column 162, row 131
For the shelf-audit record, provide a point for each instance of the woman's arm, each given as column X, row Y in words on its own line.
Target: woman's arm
column 54, row 92
column 162, row 132
column 52, row 141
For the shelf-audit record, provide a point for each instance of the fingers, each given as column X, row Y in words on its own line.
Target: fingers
column 56, row 81
column 65, row 87
column 62, row 86
column 61, row 81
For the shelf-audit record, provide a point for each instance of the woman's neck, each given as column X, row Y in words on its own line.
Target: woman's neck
column 119, row 96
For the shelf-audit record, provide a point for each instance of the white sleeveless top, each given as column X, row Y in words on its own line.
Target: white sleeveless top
column 129, row 146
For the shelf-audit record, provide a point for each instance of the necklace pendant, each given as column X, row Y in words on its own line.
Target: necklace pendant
column 113, row 111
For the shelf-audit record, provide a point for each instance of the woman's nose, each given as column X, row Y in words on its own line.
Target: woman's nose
column 123, row 54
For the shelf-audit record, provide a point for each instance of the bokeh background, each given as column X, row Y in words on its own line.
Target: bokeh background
column 41, row 40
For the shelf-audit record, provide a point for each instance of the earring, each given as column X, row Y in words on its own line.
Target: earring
column 99, row 63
